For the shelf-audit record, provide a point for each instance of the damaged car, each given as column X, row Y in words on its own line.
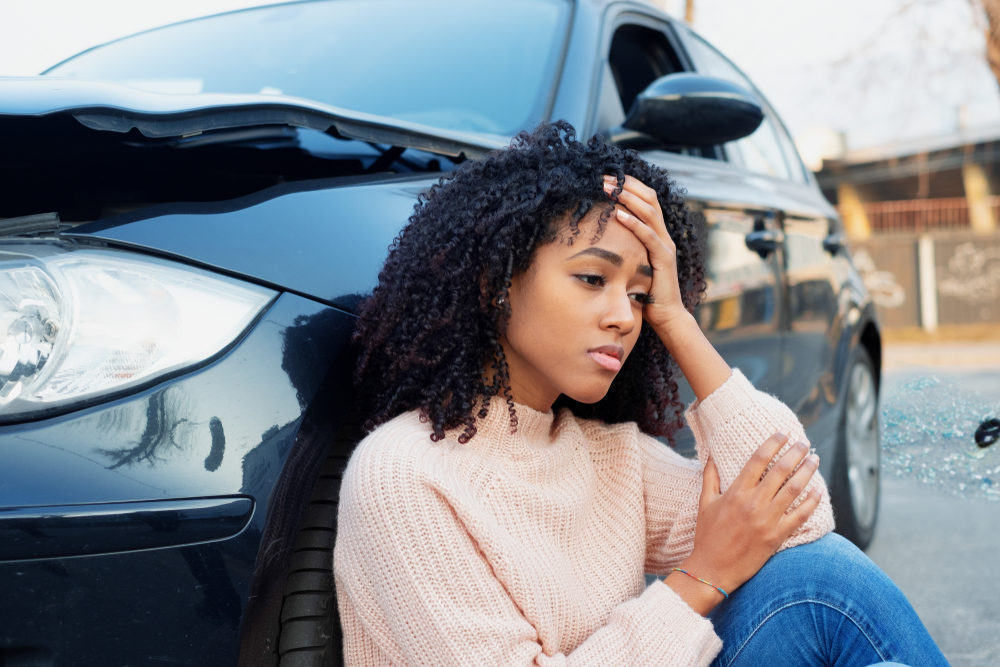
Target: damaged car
column 191, row 216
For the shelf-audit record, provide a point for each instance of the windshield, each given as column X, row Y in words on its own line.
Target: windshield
column 455, row 64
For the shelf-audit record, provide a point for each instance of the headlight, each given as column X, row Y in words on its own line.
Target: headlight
column 76, row 324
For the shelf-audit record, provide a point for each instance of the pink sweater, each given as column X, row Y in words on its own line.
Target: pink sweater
column 530, row 548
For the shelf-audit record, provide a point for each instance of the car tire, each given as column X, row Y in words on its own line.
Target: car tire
column 855, row 484
column 310, row 627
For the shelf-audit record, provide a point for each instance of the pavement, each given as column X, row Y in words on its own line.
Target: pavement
column 941, row 355
column 941, row 550
column 938, row 535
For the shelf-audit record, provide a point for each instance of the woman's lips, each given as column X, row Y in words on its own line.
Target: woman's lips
column 608, row 357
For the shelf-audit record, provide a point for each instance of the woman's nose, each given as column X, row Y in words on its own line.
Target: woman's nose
column 620, row 313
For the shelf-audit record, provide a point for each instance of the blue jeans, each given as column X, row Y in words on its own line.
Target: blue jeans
column 824, row 603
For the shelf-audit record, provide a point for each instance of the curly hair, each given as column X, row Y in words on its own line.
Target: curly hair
column 429, row 336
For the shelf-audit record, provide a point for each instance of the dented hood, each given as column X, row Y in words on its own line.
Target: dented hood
column 114, row 107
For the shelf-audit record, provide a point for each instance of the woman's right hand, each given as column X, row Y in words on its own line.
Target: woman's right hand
column 737, row 531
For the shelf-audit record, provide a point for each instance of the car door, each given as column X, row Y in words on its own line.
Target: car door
column 743, row 309
column 809, row 346
column 809, row 250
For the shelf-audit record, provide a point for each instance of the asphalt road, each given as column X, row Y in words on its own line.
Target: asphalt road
column 938, row 535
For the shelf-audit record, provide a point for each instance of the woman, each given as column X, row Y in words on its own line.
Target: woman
column 517, row 355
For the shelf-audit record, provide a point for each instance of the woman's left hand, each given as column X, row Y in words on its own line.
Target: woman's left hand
column 639, row 211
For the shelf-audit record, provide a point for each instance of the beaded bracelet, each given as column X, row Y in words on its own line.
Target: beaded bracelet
column 709, row 583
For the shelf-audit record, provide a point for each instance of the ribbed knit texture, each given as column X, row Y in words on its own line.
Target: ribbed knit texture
column 530, row 548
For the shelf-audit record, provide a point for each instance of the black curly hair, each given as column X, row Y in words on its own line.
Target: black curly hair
column 429, row 336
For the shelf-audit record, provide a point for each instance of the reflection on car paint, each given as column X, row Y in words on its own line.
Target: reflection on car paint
column 192, row 437
column 214, row 458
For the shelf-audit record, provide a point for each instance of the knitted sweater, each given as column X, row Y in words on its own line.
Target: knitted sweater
column 530, row 548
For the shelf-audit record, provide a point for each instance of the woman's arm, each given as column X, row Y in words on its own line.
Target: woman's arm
column 413, row 587
column 722, row 517
column 703, row 367
column 753, row 497
column 728, row 424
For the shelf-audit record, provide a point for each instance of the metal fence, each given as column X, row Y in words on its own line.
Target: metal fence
column 920, row 215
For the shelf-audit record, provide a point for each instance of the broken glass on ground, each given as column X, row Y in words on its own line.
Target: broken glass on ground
column 928, row 433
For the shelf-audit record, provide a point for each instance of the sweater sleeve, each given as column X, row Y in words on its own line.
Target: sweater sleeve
column 413, row 588
column 730, row 424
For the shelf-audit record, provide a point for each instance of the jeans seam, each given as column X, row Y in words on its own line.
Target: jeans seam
column 842, row 612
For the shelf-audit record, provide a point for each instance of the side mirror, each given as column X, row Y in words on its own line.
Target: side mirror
column 685, row 109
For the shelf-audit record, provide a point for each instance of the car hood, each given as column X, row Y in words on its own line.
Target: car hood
column 324, row 239
column 320, row 235
column 108, row 106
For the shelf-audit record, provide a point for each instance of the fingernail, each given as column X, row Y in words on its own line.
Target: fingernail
column 622, row 215
column 609, row 188
column 610, row 179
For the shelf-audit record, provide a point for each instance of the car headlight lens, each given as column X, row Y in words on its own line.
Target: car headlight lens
column 76, row 324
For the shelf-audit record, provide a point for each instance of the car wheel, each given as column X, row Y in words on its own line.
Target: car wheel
column 855, row 483
column 310, row 628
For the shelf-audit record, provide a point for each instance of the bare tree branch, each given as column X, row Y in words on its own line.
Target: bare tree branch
column 989, row 14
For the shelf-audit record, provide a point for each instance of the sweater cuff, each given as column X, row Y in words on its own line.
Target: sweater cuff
column 687, row 637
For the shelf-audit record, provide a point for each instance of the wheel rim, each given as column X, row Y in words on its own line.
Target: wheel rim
column 861, row 431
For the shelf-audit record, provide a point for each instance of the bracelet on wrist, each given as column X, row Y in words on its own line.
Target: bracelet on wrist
column 707, row 583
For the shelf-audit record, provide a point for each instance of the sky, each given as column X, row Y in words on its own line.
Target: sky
column 841, row 73
column 877, row 71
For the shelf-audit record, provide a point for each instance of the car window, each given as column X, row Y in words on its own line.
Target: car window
column 637, row 56
column 762, row 152
column 792, row 159
column 478, row 66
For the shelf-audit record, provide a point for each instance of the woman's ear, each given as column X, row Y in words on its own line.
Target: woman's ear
column 493, row 289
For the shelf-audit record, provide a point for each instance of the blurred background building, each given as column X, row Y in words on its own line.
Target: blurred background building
column 922, row 219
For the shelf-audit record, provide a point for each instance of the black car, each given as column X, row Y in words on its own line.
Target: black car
column 190, row 217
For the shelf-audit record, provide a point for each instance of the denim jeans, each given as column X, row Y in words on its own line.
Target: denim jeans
column 823, row 603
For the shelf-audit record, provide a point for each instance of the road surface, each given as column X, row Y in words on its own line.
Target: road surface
column 938, row 535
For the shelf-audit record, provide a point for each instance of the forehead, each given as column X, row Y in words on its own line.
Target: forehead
column 592, row 232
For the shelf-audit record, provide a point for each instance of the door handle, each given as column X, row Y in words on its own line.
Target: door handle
column 764, row 241
column 834, row 243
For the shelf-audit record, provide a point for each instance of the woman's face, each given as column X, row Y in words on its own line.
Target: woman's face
column 576, row 314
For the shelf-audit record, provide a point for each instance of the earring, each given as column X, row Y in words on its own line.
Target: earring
column 501, row 301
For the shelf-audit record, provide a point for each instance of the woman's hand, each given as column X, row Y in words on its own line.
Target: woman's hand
column 639, row 211
column 737, row 531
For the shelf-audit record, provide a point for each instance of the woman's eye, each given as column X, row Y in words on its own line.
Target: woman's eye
column 591, row 279
column 641, row 298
